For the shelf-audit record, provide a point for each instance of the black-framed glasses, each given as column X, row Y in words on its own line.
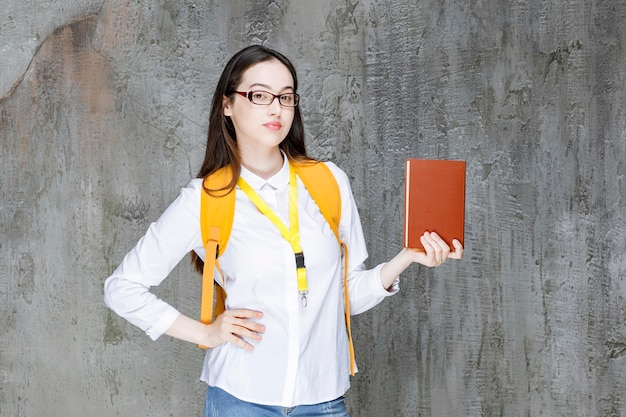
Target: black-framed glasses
column 265, row 98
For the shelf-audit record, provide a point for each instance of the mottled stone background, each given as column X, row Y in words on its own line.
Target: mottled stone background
column 103, row 109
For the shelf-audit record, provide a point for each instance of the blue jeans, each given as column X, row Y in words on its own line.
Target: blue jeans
column 219, row 403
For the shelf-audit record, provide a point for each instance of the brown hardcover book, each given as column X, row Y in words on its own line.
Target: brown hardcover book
column 434, row 200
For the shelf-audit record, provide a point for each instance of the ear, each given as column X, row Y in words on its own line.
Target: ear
column 226, row 109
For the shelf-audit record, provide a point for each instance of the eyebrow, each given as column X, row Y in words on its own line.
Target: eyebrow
column 269, row 88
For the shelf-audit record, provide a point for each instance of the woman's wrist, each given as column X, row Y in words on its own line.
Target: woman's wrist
column 190, row 330
column 396, row 266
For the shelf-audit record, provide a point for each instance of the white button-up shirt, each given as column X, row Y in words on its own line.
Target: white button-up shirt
column 303, row 357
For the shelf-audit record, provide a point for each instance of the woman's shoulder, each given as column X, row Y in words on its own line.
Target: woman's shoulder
column 195, row 183
column 194, row 186
column 190, row 193
column 337, row 172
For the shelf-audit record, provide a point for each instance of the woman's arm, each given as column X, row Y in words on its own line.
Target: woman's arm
column 436, row 251
column 166, row 242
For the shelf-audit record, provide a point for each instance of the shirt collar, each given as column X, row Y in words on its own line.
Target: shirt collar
column 277, row 182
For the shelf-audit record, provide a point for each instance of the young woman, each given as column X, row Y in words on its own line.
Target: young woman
column 269, row 353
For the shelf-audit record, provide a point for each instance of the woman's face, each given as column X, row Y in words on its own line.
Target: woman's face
column 261, row 127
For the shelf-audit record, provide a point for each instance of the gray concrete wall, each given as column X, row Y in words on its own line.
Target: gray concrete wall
column 103, row 109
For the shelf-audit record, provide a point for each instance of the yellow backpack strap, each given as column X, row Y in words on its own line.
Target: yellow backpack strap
column 217, row 211
column 322, row 186
column 208, row 282
column 346, row 299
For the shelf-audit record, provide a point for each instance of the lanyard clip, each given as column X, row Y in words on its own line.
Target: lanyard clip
column 303, row 299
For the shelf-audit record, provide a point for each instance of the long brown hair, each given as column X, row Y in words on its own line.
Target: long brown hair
column 221, row 146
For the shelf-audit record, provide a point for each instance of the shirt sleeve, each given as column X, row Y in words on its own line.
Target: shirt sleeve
column 166, row 242
column 365, row 287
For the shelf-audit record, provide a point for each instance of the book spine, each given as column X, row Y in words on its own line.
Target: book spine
column 407, row 176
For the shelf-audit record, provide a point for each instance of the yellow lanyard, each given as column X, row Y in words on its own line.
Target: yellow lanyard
column 291, row 235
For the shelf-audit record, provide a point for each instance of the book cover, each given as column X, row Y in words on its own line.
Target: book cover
column 434, row 200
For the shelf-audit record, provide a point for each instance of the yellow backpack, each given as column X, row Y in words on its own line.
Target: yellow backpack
column 216, row 221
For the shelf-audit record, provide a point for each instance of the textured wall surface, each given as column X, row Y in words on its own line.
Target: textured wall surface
column 103, row 111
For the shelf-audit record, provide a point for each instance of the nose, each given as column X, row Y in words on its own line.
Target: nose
column 275, row 107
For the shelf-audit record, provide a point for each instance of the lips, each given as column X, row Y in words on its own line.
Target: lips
column 273, row 125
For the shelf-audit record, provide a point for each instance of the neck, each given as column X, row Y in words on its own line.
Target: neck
column 265, row 165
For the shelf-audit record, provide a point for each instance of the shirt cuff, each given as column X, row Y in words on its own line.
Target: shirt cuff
column 164, row 323
column 381, row 290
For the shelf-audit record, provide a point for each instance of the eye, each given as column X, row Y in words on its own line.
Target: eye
column 259, row 95
column 286, row 98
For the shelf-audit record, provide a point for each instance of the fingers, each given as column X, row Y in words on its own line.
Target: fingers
column 235, row 326
column 458, row 250
column 437, row 250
